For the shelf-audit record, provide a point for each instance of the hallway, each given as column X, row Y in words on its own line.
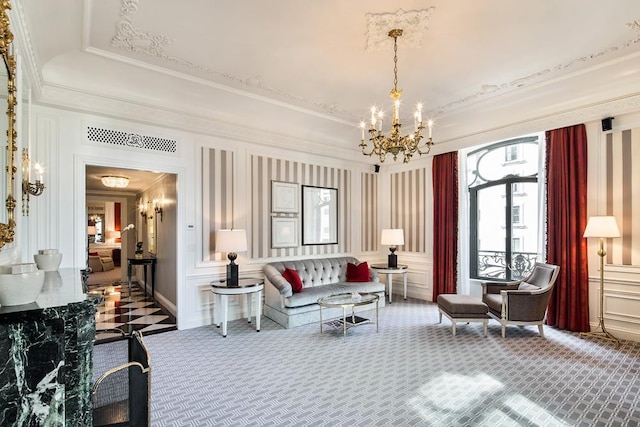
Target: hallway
column 128, row 313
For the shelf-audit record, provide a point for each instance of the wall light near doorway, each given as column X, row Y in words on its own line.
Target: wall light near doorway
column 157, row 204
column 29, row 188
column 143, row 210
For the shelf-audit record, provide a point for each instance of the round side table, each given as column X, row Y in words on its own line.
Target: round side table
column 390, row 271
column 246, row 287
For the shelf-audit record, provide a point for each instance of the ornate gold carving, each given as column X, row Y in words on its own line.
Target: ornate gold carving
column 7, row 230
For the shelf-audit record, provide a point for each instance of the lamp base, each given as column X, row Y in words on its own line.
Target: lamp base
column 602, row 334
column 232, row 274
column 392, row 260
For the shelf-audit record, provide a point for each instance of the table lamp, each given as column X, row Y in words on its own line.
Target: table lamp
column 602, row 227
column 392, row 237
column 231, row 242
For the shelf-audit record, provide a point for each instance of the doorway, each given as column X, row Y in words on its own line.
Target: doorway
column 143, row 210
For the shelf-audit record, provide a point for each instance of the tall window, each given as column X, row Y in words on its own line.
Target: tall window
column 504, row 209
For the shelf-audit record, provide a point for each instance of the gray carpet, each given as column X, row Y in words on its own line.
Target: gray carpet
column 413, row 372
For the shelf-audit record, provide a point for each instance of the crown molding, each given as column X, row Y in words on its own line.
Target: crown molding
column 140, row 43
column 624, row 105
column 26, row 53
column 91, row 103
column 558, row 71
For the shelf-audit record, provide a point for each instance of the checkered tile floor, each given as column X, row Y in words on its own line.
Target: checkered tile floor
column 137, row 311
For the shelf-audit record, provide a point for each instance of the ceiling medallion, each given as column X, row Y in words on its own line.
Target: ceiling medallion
column 395, row 143
column 115, row 181
column 413, row 23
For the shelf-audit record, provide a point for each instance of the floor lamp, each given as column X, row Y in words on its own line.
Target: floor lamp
column 601, row 227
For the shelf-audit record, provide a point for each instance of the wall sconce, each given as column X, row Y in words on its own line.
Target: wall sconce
column 28, row 188
column 143, row 210
column 157, row 205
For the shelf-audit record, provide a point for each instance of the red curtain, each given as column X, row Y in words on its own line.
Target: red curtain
column 566, row 158
column 445, row 224
column 117, row 220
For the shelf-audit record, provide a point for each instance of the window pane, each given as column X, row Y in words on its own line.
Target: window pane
column 525, row 230
column 491, row 232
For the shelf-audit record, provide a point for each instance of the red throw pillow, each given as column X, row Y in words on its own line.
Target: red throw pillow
column 358, row 273
column 293, row 278
column 94, row 254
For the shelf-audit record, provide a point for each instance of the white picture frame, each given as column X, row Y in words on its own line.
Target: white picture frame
column 284, row 197
column 284, row 232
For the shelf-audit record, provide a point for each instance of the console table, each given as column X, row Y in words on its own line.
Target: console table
column 47, row 348
column 144, row 262
column 390, row 271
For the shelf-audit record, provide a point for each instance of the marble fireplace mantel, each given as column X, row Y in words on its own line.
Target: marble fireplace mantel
column 46, row 377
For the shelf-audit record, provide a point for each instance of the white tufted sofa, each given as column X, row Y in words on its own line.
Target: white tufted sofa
column 321, row 277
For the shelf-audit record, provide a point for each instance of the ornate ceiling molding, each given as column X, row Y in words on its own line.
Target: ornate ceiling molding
column 487, row 90
column 413, row 22
column 132, row 39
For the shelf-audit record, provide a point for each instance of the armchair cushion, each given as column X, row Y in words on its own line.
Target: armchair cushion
column 524, row 286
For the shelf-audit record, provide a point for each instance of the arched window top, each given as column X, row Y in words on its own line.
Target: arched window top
column 512, row 158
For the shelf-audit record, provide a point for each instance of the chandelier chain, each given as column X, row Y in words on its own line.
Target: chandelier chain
column 395, row 64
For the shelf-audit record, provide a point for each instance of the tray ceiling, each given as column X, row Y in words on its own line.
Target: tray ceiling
column 314, row 68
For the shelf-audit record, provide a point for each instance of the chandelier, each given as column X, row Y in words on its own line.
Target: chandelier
column 395, row 143
column 115, row 181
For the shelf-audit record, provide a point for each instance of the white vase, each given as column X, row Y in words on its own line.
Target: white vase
column 48, row 259
column 20, row 288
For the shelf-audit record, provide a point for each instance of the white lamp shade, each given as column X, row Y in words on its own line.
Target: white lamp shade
column 392, row 236
column 231, row 241
column 602, row 226
column 91, row 230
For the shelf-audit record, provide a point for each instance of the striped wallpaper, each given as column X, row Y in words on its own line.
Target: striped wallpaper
column 369, row 209
column 217, row 196
column 408, row 208
column 623, row 195
column 266, row 169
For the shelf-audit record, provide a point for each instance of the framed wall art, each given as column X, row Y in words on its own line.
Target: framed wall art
column 284, row 197
column 319, row 215
column 284, row 232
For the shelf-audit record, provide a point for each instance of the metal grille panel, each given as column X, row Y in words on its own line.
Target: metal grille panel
column 132, row 140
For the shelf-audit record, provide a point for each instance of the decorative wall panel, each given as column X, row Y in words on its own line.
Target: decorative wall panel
column 408, row 208
column 623, row 195
column 263, row 171
column 217, row 196
column 369, row 212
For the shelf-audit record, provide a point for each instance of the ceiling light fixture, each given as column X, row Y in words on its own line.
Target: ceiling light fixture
column 395, row 143
column 115, row 181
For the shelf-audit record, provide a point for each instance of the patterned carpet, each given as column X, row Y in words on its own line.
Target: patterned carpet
column 413, row 372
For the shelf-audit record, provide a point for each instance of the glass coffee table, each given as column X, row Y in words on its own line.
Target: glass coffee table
column 346, row 301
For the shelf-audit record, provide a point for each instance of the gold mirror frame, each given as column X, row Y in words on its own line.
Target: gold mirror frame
column 6, row 38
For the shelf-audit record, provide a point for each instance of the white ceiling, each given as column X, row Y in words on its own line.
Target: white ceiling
column 138, row 180
column 313, row 68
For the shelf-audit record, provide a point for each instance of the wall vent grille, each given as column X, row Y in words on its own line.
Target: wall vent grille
column 132, row 140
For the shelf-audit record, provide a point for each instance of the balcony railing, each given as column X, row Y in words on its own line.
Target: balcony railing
column 493, row 265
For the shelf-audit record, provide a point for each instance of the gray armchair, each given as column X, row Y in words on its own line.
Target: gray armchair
column 523, row 302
